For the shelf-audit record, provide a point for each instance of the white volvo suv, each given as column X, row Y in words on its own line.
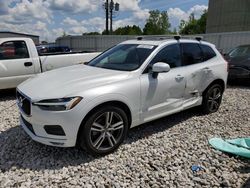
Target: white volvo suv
column 137, row 81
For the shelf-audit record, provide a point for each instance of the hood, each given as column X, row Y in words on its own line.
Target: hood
column 68, row 81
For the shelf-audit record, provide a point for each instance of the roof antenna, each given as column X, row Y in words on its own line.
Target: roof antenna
column 139, row 38
column 177, row 37
column 199, row 38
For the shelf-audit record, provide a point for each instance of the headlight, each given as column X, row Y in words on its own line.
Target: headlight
column 58, row 104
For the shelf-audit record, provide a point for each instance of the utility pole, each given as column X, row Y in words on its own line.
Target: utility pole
column 109, row 9
column 107, row 16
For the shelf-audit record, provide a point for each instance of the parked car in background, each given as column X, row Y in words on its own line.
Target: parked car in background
column 47, row 49
column 239, row 63
column 135, row 82
column 19, row 60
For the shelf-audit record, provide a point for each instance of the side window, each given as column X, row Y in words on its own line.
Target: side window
column 13, row 50
column 170, row 54
column 191, row 54
column 208, row 52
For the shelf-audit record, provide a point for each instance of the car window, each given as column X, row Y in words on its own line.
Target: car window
column 119, row 56
column 240, row 51
column 170, row 55
column 126, row 57
column 208, row 52
column 13, row 50
column 191, row 54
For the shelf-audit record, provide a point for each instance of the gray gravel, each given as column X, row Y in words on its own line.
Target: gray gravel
column 157, row 154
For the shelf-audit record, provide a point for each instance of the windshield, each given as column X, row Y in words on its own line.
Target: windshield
column 240, row 51
column 124, row 57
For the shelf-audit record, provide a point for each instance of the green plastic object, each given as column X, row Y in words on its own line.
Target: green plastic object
column 241, row 142
column 235, row 148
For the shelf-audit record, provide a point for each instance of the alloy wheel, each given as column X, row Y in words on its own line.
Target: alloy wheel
column 106, row 131
column 214, row 99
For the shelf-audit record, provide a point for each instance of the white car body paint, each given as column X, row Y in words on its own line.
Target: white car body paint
column 146, row 97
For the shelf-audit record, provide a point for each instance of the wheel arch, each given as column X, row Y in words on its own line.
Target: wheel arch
column 217, row 81
column 115, row 103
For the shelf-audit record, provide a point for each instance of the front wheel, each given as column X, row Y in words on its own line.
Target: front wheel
column 212, row 99
column 104, row 130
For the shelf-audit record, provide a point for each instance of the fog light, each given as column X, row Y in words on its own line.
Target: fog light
column 54, row 130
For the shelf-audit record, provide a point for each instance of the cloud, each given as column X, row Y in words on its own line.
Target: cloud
column 4, row 8
column 129, row 5
column 28, row 10
column 50, row 18
column 58, row 31
column 177, row 14
column 25, row 11
column 94, row 24
column 74, row 6
column 198, row 10
column 74, row 26
column 36, row 28
column 141, row 14
column 78, row 30
column 70, row 21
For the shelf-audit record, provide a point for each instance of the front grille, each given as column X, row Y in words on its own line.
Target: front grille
column 28, row 125
column 24, row 103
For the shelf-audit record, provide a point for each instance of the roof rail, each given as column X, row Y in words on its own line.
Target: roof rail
column 176, row 37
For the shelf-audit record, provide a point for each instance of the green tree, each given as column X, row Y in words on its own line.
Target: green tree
column 128, row 30
column 157, row 23
column 193, row 26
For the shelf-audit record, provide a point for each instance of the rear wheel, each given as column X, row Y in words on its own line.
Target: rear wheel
column 104, row 130
column 212, row 99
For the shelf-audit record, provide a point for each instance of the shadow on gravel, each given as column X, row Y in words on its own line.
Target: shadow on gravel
column 246, row 184
column 244, row 169
column 245, row 84
column 160, row 125
column 8, row 94
column 19, row 151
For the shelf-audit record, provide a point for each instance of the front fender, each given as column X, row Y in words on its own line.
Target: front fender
column 133, row 106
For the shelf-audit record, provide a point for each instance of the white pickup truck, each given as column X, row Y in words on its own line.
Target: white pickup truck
column 19, row 60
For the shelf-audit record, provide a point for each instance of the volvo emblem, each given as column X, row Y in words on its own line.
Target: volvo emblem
column 21, row 102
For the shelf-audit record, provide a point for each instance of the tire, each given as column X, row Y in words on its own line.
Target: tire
column 104, row 130
column 212, row 99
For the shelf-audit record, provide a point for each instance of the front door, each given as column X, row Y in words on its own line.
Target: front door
column 15, row 64
column 163, row 95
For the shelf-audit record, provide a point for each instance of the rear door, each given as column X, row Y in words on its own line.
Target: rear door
column 16, row 64
column 198, row 73
column 163, row 95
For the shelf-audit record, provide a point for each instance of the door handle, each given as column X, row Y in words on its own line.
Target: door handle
column 207, row 70
column 28, row 64
column 179, row 77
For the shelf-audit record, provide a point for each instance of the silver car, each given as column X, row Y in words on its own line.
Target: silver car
column 134, row 82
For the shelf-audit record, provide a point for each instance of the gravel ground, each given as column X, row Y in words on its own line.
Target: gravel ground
column 157, row 154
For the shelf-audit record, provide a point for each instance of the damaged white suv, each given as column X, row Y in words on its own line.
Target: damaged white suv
column 134, row 82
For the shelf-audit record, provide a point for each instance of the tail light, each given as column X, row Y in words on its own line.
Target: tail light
column 226, row 62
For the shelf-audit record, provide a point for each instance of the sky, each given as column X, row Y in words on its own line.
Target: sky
column 51, row 18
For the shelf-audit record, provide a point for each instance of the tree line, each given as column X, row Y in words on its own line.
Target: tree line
column 158, row 24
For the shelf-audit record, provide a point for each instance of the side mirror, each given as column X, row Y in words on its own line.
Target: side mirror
column 159, row 68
